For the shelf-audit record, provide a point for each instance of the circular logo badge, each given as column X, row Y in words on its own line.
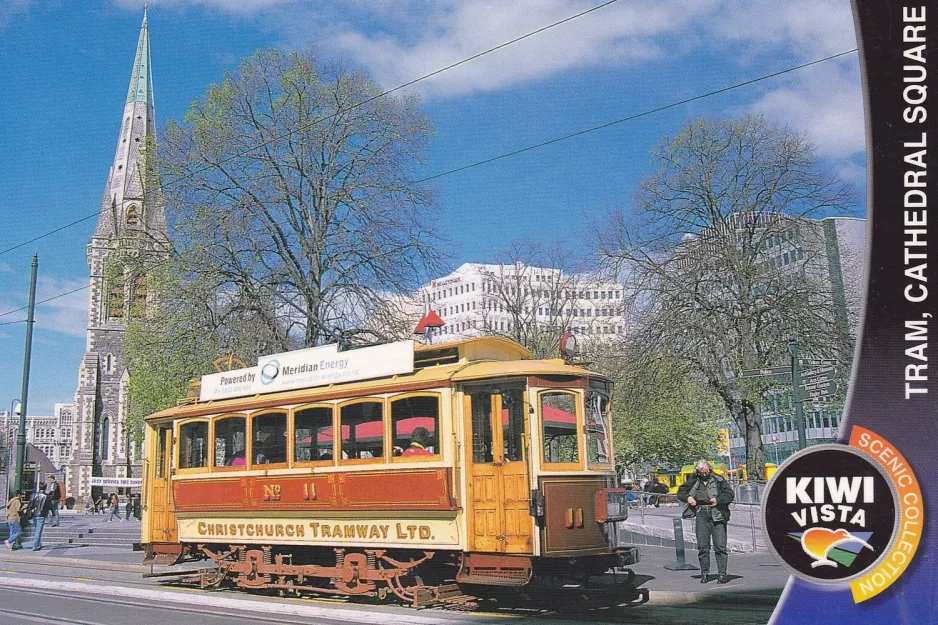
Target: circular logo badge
column 830, row 513
column 270, row 371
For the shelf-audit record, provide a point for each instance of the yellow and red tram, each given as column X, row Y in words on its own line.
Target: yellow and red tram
column 472, row 467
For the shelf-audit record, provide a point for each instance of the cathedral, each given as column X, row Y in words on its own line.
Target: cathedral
column 130, row 234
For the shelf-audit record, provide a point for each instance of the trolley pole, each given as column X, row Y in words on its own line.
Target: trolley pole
column 21, row 432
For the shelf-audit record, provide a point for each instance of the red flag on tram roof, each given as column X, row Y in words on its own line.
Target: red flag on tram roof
column 429, row 320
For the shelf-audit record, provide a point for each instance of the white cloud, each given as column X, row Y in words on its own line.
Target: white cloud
column 242, row 7
column 10, row 9
column 809, row 28
column 400, row 40
column 825, row 103
column 68, row 314
column 622, row 33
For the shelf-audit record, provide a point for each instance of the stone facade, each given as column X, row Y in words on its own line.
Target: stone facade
column 129, row 237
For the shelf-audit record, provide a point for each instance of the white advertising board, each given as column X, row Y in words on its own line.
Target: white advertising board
column 306, row 368
column 117, row 482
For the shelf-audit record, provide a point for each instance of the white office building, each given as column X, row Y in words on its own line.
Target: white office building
column 478, row 299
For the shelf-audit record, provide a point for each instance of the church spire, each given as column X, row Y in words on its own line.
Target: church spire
column 124, row 205
column 141, row 80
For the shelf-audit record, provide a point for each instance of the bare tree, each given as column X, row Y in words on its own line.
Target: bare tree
column 724, row 262
column 295, row 185
column 534, row 295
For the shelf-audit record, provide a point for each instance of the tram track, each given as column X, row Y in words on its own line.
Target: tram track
column 640, row 613
column 678, row 610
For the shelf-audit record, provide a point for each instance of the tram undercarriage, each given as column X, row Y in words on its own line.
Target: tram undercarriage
column 417, row 578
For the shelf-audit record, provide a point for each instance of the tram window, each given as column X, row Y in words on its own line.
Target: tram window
column 513, row 424
column 597, row 429
column 559, row 427
column 193, row 445
column 269, row 438
column 312, row 434
column 415, row 426
column 161, row 449
column 230, row 442
column 362, row 430
column 481, row 428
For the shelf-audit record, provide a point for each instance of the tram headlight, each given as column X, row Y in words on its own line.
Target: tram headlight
column 612, row 504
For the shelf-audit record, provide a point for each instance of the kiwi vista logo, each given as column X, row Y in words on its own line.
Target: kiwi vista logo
column 845, row 514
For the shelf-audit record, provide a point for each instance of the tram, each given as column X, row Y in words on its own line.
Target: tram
column 422, row 472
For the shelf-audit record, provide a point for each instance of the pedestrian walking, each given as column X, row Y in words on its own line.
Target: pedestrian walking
column 128, row 508
column 115, row 508
column 39, row 507
column 708, row 497
column 13, row 511
column 54, row 493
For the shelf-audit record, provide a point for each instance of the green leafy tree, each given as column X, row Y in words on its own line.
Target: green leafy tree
column 660, row 413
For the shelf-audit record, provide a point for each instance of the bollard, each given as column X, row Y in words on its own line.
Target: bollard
column 752, row 526
column 681, row 564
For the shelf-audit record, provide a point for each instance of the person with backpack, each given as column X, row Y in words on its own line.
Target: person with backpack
column 55, row 497
column 13, row 512
column 39, row 506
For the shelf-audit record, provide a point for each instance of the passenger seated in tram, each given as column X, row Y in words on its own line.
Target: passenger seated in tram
column 236, row 460
column 419, row 441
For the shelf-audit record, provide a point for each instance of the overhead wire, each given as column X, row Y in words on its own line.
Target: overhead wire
column 318, row 121
column 577, row 133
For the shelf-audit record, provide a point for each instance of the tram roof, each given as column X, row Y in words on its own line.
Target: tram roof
column 435, row 365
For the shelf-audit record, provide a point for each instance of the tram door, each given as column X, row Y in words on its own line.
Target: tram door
column 162, row 518
column 499, row 494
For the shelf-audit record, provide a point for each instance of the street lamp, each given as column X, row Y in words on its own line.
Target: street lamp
column 775, row 440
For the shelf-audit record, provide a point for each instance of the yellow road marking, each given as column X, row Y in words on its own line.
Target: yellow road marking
column 83, row 579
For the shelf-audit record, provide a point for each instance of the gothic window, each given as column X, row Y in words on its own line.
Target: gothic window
column 139, row 308
column 109, row 363
column 133, row 217
column 105, row 438
column 115, row 300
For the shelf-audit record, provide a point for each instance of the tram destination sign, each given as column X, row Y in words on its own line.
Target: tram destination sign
column 306, row 368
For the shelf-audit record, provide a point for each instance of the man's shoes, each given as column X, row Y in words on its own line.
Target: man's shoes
column 704, row 578
column 37, row 548
column 7, row 543
column 723, row 578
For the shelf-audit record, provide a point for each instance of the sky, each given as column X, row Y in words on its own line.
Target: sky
column 65, row 67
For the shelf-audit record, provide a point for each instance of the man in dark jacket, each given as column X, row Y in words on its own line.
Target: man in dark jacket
column 54, row 493
column 708, row 498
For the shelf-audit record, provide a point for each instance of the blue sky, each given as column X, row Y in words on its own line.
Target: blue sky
column 65, row 67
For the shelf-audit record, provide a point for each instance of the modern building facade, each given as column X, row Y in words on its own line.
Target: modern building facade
column 838, row 246
column 130, row 233
column 488, row 299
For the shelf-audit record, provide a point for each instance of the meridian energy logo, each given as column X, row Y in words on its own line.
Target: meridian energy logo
column 270, row 371
column 830, row 514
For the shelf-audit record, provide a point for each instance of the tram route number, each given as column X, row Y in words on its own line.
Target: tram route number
column 273, row 492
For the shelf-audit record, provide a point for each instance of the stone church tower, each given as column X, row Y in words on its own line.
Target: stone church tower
column 130, row 234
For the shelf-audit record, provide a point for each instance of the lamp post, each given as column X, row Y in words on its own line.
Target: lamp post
column 21, row 433
column 775, row 441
